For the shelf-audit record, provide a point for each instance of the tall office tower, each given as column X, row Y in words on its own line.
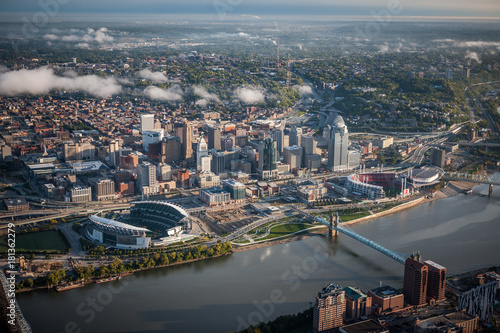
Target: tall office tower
column 268, row 167
column 415, row 281
column 114, row 153
column 171, row 149
column 218, row 162
column 292, row 155
column 337, row 145
column 201, row 151
column 309, row 144
column 437, row 280
column 147, row 122
column 146, row 178
column 438, row 157
column 214, row 138
column 295, row 136
column 187, row 139
column 329, row 309
column 278, row 135
column 227, row 143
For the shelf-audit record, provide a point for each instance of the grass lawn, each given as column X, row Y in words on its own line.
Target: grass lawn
column 285, row 229
column 45, row 240
column 350, row 217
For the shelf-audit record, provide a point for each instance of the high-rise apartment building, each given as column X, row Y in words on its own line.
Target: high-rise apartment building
column 329, row 309
column 437, row 280
column 337, row 145
column 103, row 189
column 415, row 281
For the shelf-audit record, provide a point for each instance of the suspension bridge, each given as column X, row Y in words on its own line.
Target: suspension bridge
column 334, row 226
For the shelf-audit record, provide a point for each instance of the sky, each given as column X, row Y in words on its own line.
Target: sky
column 439, row 8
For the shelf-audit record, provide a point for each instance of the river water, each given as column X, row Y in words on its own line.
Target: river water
column 222, row 294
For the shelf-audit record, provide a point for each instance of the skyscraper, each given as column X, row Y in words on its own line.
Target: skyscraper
column 171, row 149
column 146, row 179
column 329, row 309
column 438, row 157
column 214, row 138
column 295, row 136
column 268, row 167
column 292, row 155
column 203, row 160
column 114, row 153
column 278, row 135
column 147, row 122
column 437, row 280
column 415, row 281
column 187, row 146
column 218, row 162
column 337, row 145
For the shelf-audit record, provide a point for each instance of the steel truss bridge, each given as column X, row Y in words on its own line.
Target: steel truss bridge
column 471, row 178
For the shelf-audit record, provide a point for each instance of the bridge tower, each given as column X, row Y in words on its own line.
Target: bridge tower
column 334, row 222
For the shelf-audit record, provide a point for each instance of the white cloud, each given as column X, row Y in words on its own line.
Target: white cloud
column 155, row 77
column 82, row 45
column 249, row 95
column 50, row 37
column 172, row 94
column 43, row 80
column 100, row 36
column 304, row 90
column 204, row 94
column 472, row 56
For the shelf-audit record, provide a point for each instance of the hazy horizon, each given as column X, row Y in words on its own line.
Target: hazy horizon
column 404, row 8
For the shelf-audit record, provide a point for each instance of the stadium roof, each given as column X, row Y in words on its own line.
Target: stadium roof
column 178, row 208
column 115, row 224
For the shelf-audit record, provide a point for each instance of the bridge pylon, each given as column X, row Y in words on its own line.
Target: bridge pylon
column 334, row 222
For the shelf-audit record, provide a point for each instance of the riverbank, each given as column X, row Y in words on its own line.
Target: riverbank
column 453, row 188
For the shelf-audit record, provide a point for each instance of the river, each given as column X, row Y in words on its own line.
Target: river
column 218, row 295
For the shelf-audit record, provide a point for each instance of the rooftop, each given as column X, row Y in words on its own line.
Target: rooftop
column 354, row 293
column 386, row 291
column 363, row 327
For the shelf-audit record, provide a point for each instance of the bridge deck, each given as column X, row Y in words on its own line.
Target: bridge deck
column 346, row 231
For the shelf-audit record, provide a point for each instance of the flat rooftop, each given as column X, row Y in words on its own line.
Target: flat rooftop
column 386, row 291
column 364, row 327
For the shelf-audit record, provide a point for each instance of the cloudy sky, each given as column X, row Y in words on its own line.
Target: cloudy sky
column 450, row 8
